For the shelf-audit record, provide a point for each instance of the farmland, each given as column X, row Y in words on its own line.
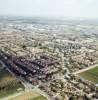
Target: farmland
column 91, row 75
column 8, row 84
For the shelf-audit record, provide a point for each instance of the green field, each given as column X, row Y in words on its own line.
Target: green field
column 91, row 75
column 31, row 95
column 8, row 84
column 11, row 86
column 39, row 98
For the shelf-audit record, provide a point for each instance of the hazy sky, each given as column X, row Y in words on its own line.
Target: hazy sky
column 53, row 8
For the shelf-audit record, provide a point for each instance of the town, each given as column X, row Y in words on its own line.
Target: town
column 43, row 58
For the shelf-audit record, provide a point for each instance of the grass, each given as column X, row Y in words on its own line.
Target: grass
column 7, row 92
column 91, row 75
column 39, row 98
column 4, row 73
column 29, row 96
column 9, row 84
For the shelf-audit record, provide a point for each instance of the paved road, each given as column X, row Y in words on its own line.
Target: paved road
column 90, row 67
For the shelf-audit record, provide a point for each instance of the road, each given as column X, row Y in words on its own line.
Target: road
column 88, row 68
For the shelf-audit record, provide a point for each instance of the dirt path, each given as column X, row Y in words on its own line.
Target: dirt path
column 24, row 92
column 90, row 67
column 12, row 96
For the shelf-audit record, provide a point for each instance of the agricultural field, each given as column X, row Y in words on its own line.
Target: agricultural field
column 8, row 84
column 29, row 96
column 91, row 75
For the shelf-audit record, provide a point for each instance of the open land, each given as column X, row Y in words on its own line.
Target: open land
column 8, row 84
column 29, row 96
column 91, row 75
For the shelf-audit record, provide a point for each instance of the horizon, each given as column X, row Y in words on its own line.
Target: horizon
column 67, row 18
column 74, row 9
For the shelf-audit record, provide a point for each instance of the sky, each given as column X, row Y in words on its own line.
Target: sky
column 50, row 8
